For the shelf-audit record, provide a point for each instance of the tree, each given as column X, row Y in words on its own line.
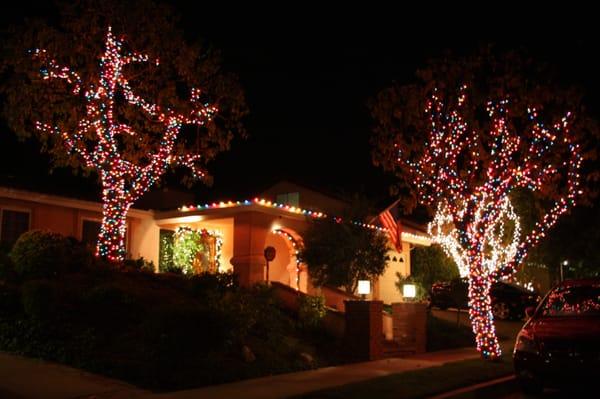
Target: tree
column 490, row 74
column 429, row 265
column 341, row 253
column 471, row 156
column 129, row 117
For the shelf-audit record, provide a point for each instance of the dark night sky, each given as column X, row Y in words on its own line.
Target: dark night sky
column 308, row 74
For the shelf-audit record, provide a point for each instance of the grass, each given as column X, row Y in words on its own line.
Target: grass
column 443, row 334
column 420, row 383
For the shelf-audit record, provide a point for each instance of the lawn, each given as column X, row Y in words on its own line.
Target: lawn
column 420, row 383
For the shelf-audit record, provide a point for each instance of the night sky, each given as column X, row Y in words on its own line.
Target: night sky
column 308, row 74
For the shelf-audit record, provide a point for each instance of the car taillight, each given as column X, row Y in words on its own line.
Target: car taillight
column 525, row 343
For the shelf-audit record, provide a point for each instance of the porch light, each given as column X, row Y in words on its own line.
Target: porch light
column 364, row 288
column 409, row 291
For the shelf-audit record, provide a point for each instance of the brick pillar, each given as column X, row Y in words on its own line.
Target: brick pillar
column 363, row 336
column 410, row 326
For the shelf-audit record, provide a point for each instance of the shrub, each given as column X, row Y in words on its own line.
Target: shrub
column 79, row 255
column 311, row 310
column 111, row 306
column 38, row 254
column 39, row 299
column 179, row 334
column 10, row 303
column 139, row 264
column 6, row 266
column 212, row 284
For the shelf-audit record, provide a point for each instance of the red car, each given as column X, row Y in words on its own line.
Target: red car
column 559, row 346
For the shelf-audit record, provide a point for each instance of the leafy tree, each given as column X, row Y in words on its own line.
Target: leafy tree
column 341, row 253
column 430, row 264
column 128, row 117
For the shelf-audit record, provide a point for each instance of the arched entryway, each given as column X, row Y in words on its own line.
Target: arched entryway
column 287, row 268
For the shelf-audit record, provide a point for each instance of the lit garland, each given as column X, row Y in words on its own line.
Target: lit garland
column 123, row 182
column 297, row 248
column 187, row 242
column 472, row 198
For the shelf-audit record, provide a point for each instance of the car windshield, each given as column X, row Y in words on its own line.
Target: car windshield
column 573, row 301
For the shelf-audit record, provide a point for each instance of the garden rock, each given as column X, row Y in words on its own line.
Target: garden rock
column 247, row 354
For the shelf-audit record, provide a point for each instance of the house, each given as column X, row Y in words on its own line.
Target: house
column 223, row 236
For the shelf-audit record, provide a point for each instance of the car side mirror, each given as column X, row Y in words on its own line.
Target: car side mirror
column 529, row 311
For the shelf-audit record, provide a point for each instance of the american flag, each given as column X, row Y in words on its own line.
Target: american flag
column 393, row 227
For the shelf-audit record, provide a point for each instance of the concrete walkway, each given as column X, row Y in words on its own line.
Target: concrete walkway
column 25, row 378
column 22, row 378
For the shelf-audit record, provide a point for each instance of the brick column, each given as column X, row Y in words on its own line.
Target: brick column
column 410, row 326
column 363, row 336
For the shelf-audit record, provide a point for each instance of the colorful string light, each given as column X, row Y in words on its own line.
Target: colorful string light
column 188, row 253
column 288, row 208
column 296, row 247
column 471, row 197
column 123, row 182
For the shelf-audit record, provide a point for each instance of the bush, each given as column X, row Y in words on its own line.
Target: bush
column 111, row 306
column 39, row 254
column 178, row 334
column 6, row 266
column 212, row 284
column 311, row 310
column 79, row 255
column 10, row 303
column 139, row 264
column 39, row 299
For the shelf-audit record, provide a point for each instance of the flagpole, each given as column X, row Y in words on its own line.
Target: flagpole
column 386, row 209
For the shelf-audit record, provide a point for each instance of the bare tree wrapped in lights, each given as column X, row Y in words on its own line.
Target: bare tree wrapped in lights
column 474, row 220
column 96, row 139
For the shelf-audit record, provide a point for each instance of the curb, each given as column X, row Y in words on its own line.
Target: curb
column 506, row 384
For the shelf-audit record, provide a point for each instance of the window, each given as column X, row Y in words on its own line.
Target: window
column 292, row 199
column 90, row 229
column 14, row 223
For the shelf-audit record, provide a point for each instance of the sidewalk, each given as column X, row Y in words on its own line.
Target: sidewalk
column 22, row 378
column 285, row 385
column 25, row 378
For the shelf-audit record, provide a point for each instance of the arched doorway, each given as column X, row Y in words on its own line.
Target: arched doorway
column 287, row 268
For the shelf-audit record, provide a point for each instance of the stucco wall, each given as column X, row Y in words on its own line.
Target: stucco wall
column 142, row 233
column 388, row 292
column 144, row 240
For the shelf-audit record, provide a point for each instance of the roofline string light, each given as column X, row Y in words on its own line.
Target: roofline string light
column 275, row 205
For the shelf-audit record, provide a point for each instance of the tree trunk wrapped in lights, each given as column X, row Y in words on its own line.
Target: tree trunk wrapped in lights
column 474, row 221
column 97, row 141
